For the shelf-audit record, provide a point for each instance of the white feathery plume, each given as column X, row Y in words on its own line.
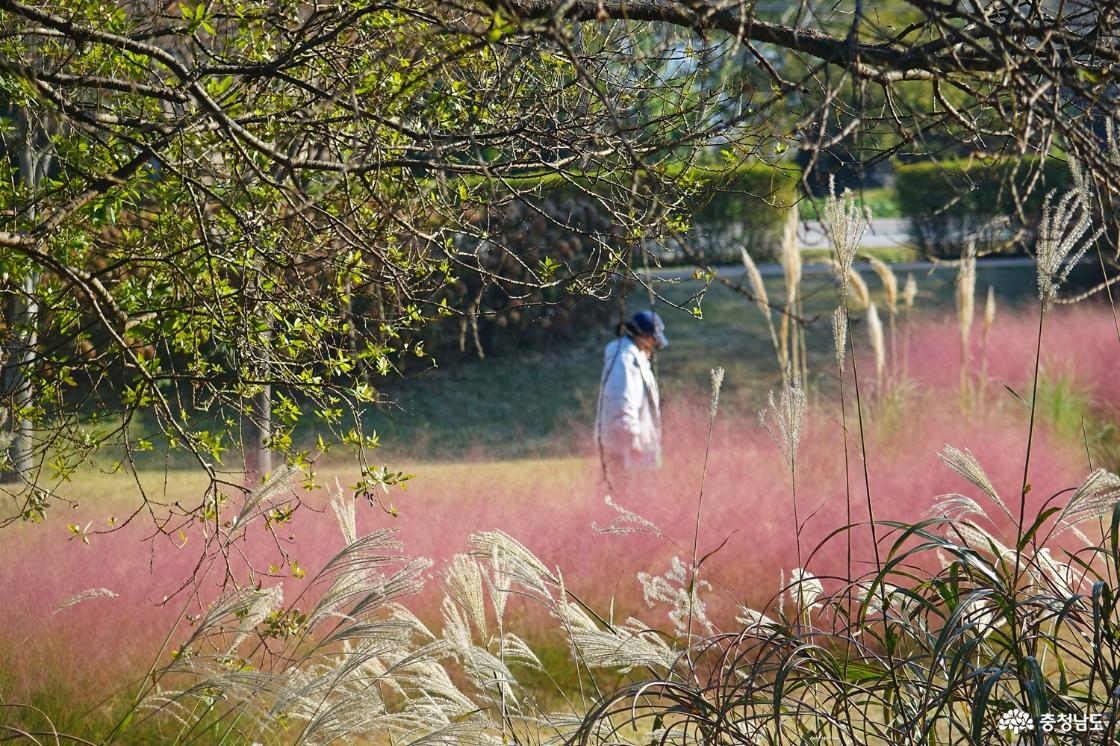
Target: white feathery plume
column 751, row 619
column 966, row 294
column 717, row 384
column 1062, row 576
column 980, row 539
column 522, row 565
column 989, row 316
column 897, row 601
column 909, row 291
column 854, row 288
column 889, row 280
column 846, row 222
column 672, row 589
column 758, row 289
column 629, row 645
column 953, row 508
column 625, row 522
column 1064, row 225
column 462, row 584
column 791, row 255
column 1096, row 496
column 85, row 595
column 789, row 414
column 966, row 466
column 279, row 480
column 806, row 590
column 344, row 512
column 840, row 334
column 861, row 294
column 500, row 582
column 267, row 602
column 878, row 346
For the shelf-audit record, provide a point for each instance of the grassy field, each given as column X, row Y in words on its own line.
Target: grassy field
column 541, row 402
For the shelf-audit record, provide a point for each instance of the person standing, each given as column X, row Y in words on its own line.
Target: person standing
column 628, row 420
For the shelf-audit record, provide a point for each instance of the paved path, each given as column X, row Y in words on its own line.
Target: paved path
column 769, row 270
column 883, row 233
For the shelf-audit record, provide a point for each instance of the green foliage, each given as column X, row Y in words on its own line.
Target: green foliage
column 995, row 201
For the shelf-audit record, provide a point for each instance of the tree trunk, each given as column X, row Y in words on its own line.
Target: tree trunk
column 34, row 160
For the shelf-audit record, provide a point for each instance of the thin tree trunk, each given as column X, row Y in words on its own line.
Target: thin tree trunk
column 34, row 160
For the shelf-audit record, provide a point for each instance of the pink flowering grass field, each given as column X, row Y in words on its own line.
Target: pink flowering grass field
column 78, row 655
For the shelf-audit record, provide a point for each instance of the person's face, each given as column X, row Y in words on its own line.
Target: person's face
column 646, row 344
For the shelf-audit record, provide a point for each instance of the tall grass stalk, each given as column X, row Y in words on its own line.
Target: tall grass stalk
column 762, row 300
column 890, row 287
column 716, row 385
column 791, row 270
column 875, row 335
column 966, row 302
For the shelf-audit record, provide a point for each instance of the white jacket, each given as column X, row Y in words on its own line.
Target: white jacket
column 628, row 421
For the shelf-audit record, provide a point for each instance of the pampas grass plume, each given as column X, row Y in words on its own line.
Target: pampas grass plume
column 966, row 294
column 840, row 334
column 859, row 289
column 889, row 280
column 791, row 255
column 875, row 332
column 909, row 292
column 989, row 316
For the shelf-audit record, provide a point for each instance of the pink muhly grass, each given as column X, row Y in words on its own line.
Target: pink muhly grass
column 1079, row 342
column 551, row 506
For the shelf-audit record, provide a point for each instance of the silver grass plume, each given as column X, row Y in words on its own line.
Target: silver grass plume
column 344, row 513
column 789, row 414
column 909, row 291
column 966, row 294
column 463, row 585
column 1064, row 225
column 1061, row 575
column 889, row 280
column 1095, row 497
column 859, row 289
column 758, row 289
column 989, row 316
column 752, row 620
column 521, row 564
column 980, row 539
column 966, row 466
column 895, row 597
column 805, row 590
column 878, row 346
column 791, row 255
column 677, row 590
column 626, row 646
column 85, row 595
column 954, row 508
column 846, row 222
column 625, row 521
column 717, row 384
column 840, row 334
column 279, row 480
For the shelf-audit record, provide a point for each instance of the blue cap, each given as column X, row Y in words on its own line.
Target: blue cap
column 648, row 323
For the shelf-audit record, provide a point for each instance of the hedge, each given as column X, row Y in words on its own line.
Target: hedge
column 746, row 206
column 951, row 202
